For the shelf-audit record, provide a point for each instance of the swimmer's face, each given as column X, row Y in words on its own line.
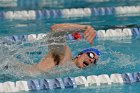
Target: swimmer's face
column 86, row 59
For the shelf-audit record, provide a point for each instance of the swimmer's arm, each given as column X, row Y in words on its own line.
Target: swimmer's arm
column 89, row 31
column 58, row 45
column 67, row 26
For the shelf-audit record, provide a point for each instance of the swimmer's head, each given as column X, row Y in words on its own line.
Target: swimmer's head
column 87, row 57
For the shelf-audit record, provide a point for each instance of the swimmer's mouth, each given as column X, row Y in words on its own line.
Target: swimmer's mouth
column 85, row 63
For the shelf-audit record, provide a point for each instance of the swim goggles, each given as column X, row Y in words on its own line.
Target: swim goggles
column 92, row 56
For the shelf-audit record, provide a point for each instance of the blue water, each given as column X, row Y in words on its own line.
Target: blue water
column 118, row 56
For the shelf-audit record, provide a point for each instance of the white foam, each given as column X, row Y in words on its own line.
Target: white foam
column 40, row 36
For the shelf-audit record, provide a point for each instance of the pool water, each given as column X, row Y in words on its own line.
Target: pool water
column 118, row 56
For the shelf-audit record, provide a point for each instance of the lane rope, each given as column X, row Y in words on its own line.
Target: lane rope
column 70, row 82
column 101, row 34
column 70, row 13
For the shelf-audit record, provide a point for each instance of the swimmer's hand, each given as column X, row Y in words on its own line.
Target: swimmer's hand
column 90, row 34
column 89, row 31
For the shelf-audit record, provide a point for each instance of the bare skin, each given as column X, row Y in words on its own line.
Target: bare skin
column 64, row 52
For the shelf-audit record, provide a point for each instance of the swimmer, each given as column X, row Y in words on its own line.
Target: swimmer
column 60, row 54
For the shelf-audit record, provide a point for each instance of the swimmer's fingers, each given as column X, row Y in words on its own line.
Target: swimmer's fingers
column 90, row 38
column 90, row 34
column 89, row 30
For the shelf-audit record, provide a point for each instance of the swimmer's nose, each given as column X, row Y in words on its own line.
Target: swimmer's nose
column 90, row 61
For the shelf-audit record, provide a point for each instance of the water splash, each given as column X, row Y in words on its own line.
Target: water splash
column 111, row 59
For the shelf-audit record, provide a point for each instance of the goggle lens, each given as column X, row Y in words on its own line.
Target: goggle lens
column 92, row 56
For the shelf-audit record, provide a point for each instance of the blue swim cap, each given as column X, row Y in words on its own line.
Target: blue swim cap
column 94, row 50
